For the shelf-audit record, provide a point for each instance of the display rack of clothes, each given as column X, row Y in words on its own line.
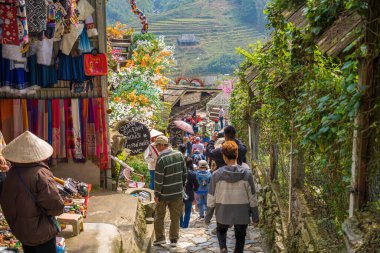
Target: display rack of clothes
column 76, row 128
column 43, row 41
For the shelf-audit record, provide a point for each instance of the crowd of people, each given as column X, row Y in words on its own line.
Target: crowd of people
column 207, row 177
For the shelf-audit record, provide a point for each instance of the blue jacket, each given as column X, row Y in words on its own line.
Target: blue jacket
column 204, row 179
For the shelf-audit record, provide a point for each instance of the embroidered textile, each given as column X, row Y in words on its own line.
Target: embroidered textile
column 37, row 15
column 8, row 24
column 22, row 23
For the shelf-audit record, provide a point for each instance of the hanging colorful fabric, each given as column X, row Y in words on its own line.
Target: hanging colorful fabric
column 37, row 15
column 23, row 32
column 8, row 23
column 95, row 64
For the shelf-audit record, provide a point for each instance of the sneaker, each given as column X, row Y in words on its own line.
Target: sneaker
column 202, row 218
column 158, row 243
column 173, row 243
column 223, row 251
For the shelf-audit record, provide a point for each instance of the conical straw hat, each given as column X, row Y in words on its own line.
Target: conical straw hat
column 155, row 133
column 27, row 148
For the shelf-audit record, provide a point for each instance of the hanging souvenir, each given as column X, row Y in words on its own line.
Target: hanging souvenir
column 95, row 64
column 69, row 39
column 37, row 15
column 90, row 26
column 12, row 52
column 44, row 51
column 8, row 24
column 23, row 32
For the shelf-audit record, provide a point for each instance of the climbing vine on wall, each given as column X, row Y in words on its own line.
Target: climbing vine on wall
column 304, row 94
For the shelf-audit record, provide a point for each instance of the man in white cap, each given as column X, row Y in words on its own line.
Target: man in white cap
column 169, row 183
column 30, row 198
column 151, row 155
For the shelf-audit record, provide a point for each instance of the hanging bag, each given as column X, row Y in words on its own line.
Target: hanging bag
column 95, row 64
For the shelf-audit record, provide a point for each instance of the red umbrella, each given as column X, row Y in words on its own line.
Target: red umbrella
column 184, row 126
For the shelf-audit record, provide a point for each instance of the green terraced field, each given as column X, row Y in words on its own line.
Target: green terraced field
column 213, row 23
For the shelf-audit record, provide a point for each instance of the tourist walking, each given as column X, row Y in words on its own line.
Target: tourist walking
column 216, row 125
column 197, row 156
column 170, row 178
column 189, row 146
column 198, row 145
column 30, row 197
column 203, row 177
column 216, row 154
column 233, row 197
column 151, row 155
column 190, row 187
column 221, row 117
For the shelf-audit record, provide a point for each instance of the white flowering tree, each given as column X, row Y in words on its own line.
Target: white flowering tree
column 135, row 91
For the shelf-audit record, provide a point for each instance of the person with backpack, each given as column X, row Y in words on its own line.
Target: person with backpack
column 190, row 188
column 197, row 156
column 232, row 196
column 203, row 177
column 198, row 145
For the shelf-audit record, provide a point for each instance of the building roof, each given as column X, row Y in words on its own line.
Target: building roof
column 332, row 41
column 221, row 99
column 187, row 38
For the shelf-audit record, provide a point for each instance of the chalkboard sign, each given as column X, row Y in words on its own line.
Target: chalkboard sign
column 137, row 137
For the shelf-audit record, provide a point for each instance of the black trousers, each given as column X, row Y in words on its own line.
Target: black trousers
column 47, row 247
column 240, row 233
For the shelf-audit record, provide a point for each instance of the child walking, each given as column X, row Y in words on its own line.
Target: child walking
column 203, row 177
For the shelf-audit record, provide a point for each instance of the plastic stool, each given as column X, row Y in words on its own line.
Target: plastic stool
column 75, row 220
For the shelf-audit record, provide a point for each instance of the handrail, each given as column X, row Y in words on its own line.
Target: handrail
column 122, row 164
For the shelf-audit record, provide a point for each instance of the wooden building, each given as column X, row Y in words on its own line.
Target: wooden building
column 187, row 40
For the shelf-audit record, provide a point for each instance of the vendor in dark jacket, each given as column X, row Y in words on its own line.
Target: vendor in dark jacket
column 216, row 153
column 191, row 186
column 28, row 189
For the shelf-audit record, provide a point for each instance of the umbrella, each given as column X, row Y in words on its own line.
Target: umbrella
column 184, row 126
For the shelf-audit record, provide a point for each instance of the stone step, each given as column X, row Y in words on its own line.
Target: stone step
column 96, row 238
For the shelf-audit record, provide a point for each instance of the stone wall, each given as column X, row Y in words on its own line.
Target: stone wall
column 300, row 234
column 272, row 212
column 362, row 233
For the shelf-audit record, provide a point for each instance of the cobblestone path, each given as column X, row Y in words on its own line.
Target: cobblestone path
column 198, row 239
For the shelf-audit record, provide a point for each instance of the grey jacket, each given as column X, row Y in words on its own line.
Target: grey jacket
column 232, row 196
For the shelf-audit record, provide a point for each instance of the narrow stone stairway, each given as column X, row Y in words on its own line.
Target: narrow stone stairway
column 198, row 238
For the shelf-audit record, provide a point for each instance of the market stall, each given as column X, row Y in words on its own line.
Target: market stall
column 52, row 80
column 53, row 83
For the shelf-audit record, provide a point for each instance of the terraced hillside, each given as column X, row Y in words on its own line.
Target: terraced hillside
column 217, row 26
column 216, row 39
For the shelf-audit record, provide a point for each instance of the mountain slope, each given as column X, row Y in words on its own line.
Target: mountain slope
column 220, row 26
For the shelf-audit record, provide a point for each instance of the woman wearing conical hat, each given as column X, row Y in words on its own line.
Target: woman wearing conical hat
column 30, row 197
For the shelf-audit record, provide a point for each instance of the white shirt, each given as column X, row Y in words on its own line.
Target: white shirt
column 221, row 113
column 150, row 156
